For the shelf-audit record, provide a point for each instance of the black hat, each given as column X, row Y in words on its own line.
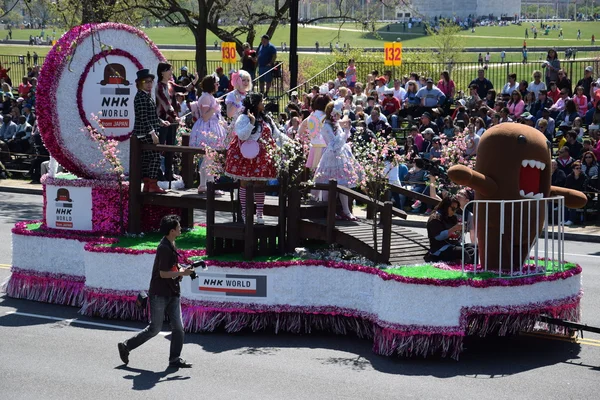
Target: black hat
column 266, row 37
column 426, row 115
column 546, row 109
column 143, row 74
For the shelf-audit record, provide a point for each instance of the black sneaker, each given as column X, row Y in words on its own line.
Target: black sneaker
column 123, row 353
column 181, row 363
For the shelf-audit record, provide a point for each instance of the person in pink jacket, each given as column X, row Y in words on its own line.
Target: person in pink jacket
column 581, row 100
column 515, row 105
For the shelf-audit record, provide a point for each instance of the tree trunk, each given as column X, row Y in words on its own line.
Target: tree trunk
column 200, row 36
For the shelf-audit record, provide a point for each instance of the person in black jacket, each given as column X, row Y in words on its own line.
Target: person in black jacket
column 164, row 295
column 558, row 175
column 577, row 181
column 445, row 233
column 146, row 127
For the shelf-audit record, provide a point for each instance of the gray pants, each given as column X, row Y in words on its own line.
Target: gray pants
column 158, row 306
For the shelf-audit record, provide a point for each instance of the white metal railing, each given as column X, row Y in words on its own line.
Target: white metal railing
column 520, row 224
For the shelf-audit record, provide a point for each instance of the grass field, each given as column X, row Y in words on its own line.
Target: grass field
column 510, row 36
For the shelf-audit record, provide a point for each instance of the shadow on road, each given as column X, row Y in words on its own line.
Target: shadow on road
column 145, row 379
column 483, row 358
column 13, row 209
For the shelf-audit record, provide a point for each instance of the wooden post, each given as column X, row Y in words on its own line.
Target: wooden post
column 249, row 229
column 331, row 206
column 187, row 163
column 282, row 212
column 135, row 180
column 293, row 217
column 386, row 242
column 210, row 218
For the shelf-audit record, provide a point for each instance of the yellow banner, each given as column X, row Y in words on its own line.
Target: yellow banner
column 228, row 52
column 392, row 54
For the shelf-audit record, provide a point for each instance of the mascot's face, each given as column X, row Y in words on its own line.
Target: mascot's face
column 516, row 157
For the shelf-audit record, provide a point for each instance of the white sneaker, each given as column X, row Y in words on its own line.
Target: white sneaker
column 260, row 221
column 569, row 223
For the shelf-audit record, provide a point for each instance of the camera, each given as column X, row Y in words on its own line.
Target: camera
column 197, row 264
column 434, row 168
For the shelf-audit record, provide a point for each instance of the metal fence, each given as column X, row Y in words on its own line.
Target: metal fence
column 517, row 237
column 463, row 73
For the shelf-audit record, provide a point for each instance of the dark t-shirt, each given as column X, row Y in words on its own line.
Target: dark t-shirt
column 165, row 260
column 482, row 86
column 436, row 225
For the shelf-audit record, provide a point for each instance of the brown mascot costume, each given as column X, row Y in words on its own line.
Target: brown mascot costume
column 513, row 163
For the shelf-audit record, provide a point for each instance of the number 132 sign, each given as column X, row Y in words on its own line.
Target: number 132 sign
column 228, row 52
column 392, row 54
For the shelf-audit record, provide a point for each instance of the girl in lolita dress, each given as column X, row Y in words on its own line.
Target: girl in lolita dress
column 209, row 129
column 337, row 161
column 310, row 132
column 256, row 128
column 242, row 85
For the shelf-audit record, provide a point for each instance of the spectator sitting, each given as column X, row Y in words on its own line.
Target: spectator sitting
column 417, row 177
column 511, row 85
column 377, row 125
column 558, row 175
column 581, row 101
column 576, row 181
column 554, row 92
column 504, row 115
column 381, row 82
column 391, row 106
column 568, row 114
column 479, row 126
column 184, row 75
column 428, row 135
column 426, row 122
column 564, row 160
column 449, row 129
column 515, row 105
column 560, row 104
column 589, row 165
column 542, row 102
column 7, row 129
column 20, row 141
column 436, row 148
column 411, row 151
column 24, row 87
column 537, row 85
column 523, row 85
column 430, row 96
column 473, row 100
column 472, row 141
column 575, row 148
column 223, row 82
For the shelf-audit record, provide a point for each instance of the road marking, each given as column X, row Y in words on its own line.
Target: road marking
column 76, row 321
column 587, row 342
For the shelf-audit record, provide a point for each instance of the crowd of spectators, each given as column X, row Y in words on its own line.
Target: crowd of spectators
column 432, row 113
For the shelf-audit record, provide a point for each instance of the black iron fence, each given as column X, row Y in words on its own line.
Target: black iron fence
column 463, row 73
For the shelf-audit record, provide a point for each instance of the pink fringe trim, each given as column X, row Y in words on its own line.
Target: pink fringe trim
column 46, row 287
column 113, row 304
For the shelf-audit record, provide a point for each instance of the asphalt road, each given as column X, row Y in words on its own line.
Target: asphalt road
column 49, row 352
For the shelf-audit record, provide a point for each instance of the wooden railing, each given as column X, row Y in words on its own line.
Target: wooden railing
column 135, row 176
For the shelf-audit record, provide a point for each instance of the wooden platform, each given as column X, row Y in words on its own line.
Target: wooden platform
column 406, row 246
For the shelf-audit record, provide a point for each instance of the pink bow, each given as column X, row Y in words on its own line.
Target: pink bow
column 235, row 79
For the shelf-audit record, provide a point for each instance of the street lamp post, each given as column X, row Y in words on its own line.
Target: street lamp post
column 293, row 43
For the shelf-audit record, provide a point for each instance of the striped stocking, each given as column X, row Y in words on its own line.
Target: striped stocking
column 243, row 202
column 259, row 198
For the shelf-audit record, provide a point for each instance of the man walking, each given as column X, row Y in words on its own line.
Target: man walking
column 267, row 54
column 164, row 296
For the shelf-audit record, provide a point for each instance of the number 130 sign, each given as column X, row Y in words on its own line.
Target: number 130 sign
column 392, row 54
column 228, row 52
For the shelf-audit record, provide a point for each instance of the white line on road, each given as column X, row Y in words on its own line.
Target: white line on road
column 76, row 321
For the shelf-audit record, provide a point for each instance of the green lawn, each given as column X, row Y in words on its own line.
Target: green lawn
column 509, row 36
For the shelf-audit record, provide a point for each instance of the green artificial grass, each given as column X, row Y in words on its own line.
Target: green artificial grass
column 191, row 240
column 428, row 271
column 240, row 258
column 34, row 227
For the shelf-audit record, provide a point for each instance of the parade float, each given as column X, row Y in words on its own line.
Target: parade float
column 77, row 254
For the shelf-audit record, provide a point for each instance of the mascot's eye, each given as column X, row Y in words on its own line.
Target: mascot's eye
column 522, row 139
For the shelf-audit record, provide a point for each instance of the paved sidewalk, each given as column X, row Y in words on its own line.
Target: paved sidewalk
column 588, row 233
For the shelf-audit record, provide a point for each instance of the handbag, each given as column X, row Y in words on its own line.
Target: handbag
column 249, row 149
column 141, row 302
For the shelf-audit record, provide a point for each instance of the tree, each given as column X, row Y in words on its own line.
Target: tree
column 75, row 12
column 448, row 41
